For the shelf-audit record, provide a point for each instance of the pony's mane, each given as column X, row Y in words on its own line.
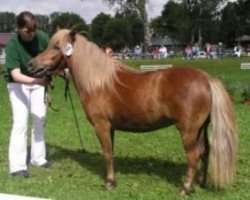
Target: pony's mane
column 91, row 68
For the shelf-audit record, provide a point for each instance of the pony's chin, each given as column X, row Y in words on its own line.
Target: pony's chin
column 38, row 73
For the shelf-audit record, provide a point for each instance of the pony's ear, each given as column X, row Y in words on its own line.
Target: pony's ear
column 72, row 35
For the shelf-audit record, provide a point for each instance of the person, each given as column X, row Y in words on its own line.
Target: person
column 125, row 52
column 163, row 52
column 220, row 50
column 238, row 50
column 109, row 51
column 137, row 52
column 195, row 50
column 208, row 50
column 26, row 94
column 188, row 51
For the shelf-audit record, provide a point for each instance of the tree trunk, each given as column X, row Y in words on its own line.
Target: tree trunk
column 141, row 6
column 200, row 35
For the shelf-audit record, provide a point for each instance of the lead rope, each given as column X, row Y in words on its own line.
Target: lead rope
column 66, row 94
column 46, row 98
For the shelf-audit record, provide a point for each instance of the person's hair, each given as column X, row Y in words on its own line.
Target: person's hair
column 26, row 18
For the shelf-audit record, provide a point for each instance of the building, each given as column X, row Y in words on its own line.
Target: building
column 4, row 38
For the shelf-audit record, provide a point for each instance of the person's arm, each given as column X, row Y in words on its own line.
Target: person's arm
column 18, row 77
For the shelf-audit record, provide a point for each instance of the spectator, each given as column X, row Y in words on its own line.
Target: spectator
column 208, row 50
column 109, row 51
column 188, row 51
column 137, row 52
column 220, row 50
column 156, row 53
column 195, row 51
column 163, row 52
column 238, row 50
column 125, row 52
column 26, row 96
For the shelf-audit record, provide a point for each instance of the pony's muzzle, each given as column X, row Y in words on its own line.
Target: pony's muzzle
column 35, row 69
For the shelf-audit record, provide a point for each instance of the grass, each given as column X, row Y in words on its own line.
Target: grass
column 148, row 166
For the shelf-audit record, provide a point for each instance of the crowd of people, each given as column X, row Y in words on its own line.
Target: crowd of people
column 191, row 51
column 210, row 51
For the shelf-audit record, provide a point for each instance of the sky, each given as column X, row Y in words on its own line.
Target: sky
column 87, row 9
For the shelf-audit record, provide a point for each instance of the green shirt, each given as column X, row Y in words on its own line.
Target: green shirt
column 19, row 52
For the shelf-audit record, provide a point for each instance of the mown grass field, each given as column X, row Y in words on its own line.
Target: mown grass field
column 149, row 166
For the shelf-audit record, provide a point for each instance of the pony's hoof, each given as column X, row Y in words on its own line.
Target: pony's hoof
column 185, row 190
column 110, row 185
column 203, row 184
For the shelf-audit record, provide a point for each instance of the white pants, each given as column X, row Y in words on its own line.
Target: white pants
column 26, row 99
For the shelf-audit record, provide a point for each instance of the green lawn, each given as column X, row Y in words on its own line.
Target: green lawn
column 148, row 166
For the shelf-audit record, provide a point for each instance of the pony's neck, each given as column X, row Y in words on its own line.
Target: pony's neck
column 91, row 68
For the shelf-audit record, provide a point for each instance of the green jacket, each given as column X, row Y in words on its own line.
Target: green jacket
column 19, row 52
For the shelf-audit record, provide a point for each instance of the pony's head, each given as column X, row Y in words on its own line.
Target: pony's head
column 54, row 58
column 90, row 67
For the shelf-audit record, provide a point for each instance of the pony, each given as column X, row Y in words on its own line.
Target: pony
column 115, row 96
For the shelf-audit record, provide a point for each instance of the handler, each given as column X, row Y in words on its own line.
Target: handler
column 26, row 95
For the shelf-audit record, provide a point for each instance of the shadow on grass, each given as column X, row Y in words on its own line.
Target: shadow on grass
column 94, row 162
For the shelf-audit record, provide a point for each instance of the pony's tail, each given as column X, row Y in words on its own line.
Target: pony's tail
column 223, row 137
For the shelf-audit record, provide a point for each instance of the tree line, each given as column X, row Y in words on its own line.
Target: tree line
column 186, row 21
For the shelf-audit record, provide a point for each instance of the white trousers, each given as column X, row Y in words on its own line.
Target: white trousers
column 26, row 99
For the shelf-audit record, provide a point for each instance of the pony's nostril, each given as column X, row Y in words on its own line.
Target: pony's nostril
column 30, row 66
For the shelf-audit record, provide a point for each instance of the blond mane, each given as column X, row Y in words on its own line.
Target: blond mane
column 91, row 68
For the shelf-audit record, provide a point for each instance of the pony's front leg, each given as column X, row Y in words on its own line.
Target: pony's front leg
column 103, row 133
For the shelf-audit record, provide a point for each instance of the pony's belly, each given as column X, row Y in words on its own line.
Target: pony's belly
column 128, row 125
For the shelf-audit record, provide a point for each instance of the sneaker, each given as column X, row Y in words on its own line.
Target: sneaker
column 23, row 173
column 46, row 165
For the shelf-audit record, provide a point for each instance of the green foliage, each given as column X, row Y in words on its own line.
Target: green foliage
column 98, row 28
column 7, row 20
column 43, row 22
column 124, row 29
column 246, row 92
column 148, row 166
column 117, row 33
column 70, row 21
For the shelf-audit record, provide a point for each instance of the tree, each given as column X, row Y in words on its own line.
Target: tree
column 244, row 17
column 173, row 22
column 68, row 20
column 117, row 33
column 140, row 7
column 135, row 23
column 98, row 28
column 229, row 23
column 201, row 12
column 7, row 20
column 44, row 23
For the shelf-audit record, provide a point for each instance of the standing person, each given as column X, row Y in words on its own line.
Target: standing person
column 238, row 50
column 26, row 95
column 220, row 50
column 208, row 49
column 137, row 52
column 188, row 51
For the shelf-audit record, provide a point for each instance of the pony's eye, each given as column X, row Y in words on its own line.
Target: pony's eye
column 56, row 48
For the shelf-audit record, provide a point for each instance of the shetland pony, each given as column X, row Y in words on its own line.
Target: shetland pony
column 117, row 97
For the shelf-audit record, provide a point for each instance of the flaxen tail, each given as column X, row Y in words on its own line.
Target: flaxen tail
column 223, row 138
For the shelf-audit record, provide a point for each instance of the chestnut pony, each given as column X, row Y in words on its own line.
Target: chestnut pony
column 117, row 97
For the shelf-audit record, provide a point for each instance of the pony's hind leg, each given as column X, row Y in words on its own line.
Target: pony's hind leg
column 193, row 153
column 204, row 148
column 104, row 135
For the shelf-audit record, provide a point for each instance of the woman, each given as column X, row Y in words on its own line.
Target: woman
column 26, row 95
